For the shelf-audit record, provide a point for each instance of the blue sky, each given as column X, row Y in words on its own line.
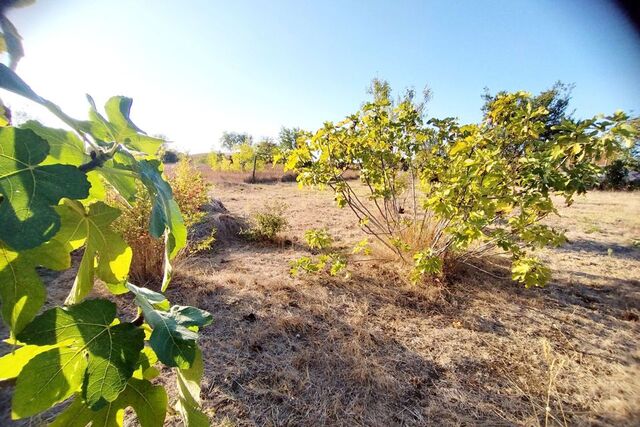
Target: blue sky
column 203, row 67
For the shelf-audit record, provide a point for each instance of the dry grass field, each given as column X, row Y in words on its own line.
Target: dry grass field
column 372, row 350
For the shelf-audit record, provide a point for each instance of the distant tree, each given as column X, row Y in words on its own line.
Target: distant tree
column 230, row 140
column 169, row 156
column 166, row 154
column 380, row 89
column 287, row 137
column 244, row 155
column 555, row 100
column 266, row 149
column 615, row 175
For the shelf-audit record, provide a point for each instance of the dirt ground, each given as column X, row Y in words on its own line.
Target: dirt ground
column 372, row 350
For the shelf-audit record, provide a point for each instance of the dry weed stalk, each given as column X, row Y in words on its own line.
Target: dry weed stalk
column 542, row 394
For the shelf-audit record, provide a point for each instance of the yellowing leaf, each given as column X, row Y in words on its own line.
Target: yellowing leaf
column 106, row 254
column 48, row 378
column 21, row 289
column 12, row 363
column 148, row 401
column 457, row 147
column 100, row 356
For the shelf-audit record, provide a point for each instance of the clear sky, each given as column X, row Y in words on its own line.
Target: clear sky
column 196, row 68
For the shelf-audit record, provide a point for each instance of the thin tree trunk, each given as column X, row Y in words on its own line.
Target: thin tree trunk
column 253, row 174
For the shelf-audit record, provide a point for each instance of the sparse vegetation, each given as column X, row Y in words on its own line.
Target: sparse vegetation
column 465, row 351
column 268, row 222
column 397, row 308
column 318, row 238
column 324, row 258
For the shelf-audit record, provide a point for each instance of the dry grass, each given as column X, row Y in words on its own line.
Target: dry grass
column 270, row 174
column 372, row 350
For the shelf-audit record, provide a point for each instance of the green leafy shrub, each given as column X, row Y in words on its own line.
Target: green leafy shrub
column 220, row 162
column 318, row 238
column 615, row 175
column 269, row 222
column 328, row 260
column 439, row 191
column 334, row 261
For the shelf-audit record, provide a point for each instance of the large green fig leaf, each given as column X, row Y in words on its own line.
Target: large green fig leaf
column 10, row 81
column 106, row 254
column 21, row 289
column 66, row 148
column 173, row 338
column 119, row 128
column 48, row 378
column 29, row 189
column 148, row 401
column 11, row 364
column 118, row 109
column 103, row 355
column 165, row 214
column 189, row 403
column 120, row 172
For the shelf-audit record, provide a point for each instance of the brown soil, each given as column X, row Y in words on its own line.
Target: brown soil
column 372, row 350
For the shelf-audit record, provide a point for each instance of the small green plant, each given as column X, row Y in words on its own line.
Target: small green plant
column 362, row 247
column 335, row 262
column 318, row 238
column 268, row 222
column 426, row 262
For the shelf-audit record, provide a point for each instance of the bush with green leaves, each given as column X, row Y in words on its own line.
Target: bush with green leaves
column 268, row 222
column 437, row 192
column 328, row 259
column 333, row 262
column 615, row 175
column 318, row 238
column 53, row 201
column 243, row 158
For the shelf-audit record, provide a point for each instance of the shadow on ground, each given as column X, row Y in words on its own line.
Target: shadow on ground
column 371, row 350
